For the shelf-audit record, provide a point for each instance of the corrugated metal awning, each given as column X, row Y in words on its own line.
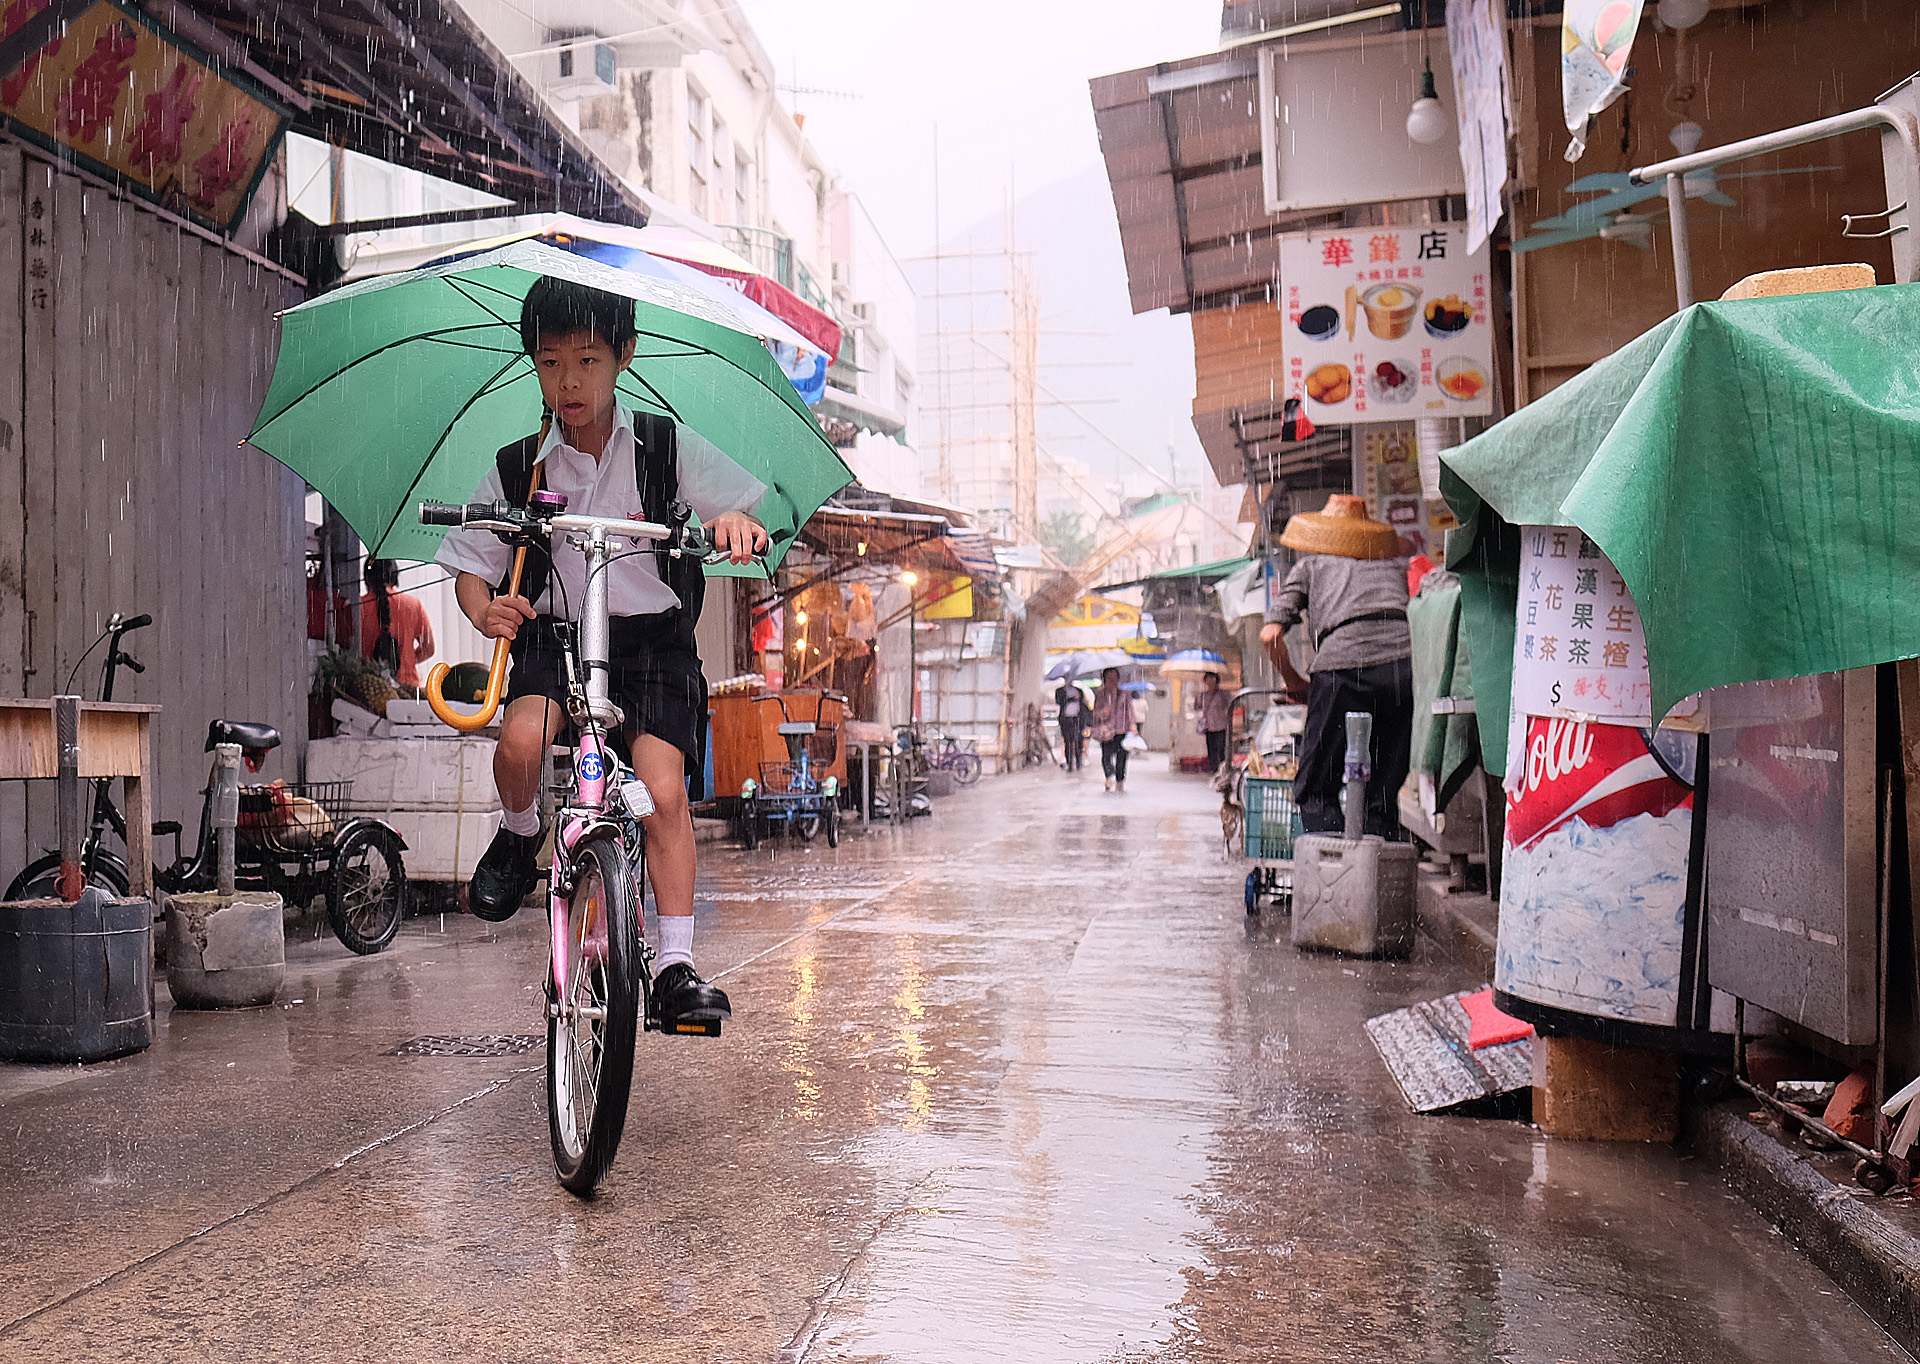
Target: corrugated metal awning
column 1182, row 147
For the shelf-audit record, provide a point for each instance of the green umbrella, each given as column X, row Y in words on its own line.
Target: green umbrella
column 400, row 389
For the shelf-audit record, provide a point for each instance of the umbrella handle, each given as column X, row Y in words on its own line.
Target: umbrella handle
column 497, row 672
column 496, row 675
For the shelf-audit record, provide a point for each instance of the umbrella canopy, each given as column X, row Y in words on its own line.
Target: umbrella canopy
column 1136, row 686
column 1194, row 661
column 1747, row 466
column 1088, row 663
column 401, row 388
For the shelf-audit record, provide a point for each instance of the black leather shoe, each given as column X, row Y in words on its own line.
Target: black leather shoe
column 504, row 875
column 680, row 996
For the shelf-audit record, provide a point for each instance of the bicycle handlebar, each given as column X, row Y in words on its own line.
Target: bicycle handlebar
column 139, row 622
column 521, row 526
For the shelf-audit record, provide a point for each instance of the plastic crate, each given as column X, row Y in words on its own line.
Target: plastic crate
column 1271, row 817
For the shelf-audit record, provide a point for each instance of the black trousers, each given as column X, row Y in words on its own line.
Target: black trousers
column 1073, row 738
column 1113, row 757
column 1384, row 691
column 1216, row 748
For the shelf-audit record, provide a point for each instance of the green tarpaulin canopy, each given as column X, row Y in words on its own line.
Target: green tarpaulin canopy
column 1752, row 469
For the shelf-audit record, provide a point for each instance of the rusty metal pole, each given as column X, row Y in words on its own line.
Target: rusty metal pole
column 66, row 727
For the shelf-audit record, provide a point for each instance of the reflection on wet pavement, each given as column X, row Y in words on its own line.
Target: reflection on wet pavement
column 1012, row 1083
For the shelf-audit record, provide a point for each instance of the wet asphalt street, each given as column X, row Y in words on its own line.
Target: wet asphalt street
column 1013, row 1083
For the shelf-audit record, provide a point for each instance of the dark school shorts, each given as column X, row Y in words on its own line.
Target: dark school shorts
column 654, row 677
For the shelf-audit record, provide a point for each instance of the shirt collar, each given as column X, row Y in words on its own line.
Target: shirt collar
column 622, row 421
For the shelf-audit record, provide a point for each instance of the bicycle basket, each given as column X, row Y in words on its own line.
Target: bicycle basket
column 292, row 818
column 783, row 779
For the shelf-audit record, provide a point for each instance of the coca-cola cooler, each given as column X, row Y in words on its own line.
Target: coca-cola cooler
column 1598, row 928
column 1600, row 918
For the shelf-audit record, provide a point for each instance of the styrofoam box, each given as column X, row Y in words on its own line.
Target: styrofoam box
column 1354, row 895
column 442, row 845
column 407, row 712
column 452, row 773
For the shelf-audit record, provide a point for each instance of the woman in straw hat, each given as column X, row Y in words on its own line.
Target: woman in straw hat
column 1351, row 583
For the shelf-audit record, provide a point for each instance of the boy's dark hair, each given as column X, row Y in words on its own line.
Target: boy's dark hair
column 558, row 307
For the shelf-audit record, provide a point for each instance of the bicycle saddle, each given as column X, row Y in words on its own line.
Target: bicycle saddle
column 246, row 733
column 798, row 727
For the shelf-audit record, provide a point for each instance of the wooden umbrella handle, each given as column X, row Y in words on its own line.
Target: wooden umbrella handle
column 497, row 672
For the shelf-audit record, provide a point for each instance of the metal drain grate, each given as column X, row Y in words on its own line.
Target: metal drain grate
column 484, row 1045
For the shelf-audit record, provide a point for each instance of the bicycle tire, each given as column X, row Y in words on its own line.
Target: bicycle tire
column 40, row 878
column 366, row 890
column 807, row 826
column 966, row 768
column 589, row 1068
column 833, row 826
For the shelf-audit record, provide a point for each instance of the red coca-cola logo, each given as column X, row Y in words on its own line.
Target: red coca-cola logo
column 1599, row 773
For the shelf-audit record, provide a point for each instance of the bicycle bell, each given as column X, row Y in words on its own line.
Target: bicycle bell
column 545, row 504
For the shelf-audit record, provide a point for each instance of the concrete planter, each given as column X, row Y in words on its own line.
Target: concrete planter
column 940, row 782
column 76, row 981
column 225, row 952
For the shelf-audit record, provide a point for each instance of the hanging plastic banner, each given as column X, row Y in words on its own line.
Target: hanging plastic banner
column 1596, row 38
column 1477, row 43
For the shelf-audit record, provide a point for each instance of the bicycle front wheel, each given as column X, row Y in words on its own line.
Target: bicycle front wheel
column 592, row 1024
column 966, row 768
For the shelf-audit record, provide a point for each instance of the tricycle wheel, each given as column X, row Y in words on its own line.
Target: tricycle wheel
column 833, row 826
column 366, row 889
column 749, row 825
column 807, row 825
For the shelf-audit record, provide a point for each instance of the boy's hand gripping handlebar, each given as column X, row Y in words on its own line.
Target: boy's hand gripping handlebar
column 443, row 514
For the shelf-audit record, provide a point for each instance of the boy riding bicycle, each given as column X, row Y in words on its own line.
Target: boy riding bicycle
column 607, row 461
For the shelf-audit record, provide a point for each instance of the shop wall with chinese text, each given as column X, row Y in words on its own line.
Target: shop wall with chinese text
column 133, row 356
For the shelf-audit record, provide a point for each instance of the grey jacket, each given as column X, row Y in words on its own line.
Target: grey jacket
column 1330, row 591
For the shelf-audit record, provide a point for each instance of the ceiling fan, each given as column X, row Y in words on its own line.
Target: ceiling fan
column 1610, row 216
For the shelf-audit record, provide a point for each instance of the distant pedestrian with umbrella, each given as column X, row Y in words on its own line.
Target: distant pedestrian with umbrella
column 1351, row 583
column 1112, row 723
column 1073, row 723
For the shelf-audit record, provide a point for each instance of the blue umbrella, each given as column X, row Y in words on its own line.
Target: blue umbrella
column 1194, row 661
column 1136, row 686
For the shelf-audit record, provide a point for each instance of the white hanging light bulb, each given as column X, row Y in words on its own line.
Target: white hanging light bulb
column 1427, row 120
column 1683, row 13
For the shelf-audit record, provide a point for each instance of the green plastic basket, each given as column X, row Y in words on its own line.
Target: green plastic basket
column 1271, row 817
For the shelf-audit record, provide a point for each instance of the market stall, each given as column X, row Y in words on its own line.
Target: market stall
column 1742, row 472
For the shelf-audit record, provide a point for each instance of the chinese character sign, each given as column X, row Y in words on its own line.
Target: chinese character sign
column 132, row 103
column 1577, row 648
column 1387, row 323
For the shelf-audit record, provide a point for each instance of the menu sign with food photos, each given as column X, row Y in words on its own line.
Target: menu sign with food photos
column 1387, row 323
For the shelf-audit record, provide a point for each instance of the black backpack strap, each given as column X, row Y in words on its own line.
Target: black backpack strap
column 514, row 463
column 656, row 469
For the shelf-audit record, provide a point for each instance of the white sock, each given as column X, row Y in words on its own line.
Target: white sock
column 525, row 822
column 676, row 940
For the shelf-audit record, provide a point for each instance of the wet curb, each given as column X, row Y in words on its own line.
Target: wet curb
column 1876, row 1263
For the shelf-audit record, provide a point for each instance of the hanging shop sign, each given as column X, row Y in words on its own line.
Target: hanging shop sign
column 1390, row 481
column 1578, row 650
column 1385, row 324
column 133, row 102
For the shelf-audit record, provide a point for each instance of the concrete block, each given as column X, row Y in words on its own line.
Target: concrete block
column 1588, row 1091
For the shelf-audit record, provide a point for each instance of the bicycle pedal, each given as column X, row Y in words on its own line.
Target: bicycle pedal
column 686, row 1027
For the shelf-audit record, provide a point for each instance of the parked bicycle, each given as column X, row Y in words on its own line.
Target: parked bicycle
column 943, row 753
column 295, row 838
column 599, row 980
column 794, row 793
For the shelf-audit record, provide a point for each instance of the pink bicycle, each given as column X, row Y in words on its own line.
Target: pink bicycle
column 599, row 983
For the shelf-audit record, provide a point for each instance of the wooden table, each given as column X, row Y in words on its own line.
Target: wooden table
column 114, row 742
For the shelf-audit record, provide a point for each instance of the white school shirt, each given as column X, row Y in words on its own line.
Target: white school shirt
column 710, row 483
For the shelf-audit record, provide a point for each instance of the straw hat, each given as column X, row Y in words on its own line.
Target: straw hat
column 1343, row 528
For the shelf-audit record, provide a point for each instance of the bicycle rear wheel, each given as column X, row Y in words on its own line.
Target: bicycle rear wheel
column 966, row 768
column 591, row 1029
